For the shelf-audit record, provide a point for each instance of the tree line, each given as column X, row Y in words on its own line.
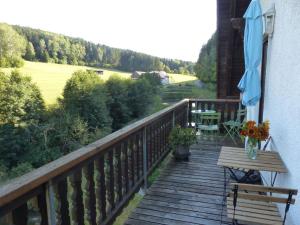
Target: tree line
column 37, row 45
column 206, row 65
column 32, row 135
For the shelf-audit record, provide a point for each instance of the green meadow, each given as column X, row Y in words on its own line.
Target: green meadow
column 51, row 78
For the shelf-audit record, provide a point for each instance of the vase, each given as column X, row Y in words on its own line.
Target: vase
column 251, row 149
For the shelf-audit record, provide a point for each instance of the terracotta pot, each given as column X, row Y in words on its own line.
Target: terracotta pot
column 182, row 152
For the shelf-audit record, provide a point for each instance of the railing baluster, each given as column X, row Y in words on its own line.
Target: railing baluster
column 62, row 204
column 89, row 194
column 126, row 172
column 190, row 108
column 42, row 205
column 118, row 173
column 20, row 215
column 160, row 139
column 141, row 153
column 137, row 139
column 150, row 150
column 131, row 162
column 109, row 181
column 77, row 212
column 100, row 189
column 145, row 158
column 155, row 135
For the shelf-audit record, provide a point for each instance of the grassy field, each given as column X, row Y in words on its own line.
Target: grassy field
column 176, row 92
column 51, row 78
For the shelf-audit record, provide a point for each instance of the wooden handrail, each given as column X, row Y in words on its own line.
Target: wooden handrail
column 214, row 100
column 30, row 181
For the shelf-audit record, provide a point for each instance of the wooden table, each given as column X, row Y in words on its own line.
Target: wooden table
column 235, row 158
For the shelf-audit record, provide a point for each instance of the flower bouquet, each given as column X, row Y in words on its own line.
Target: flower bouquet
column 255, row 133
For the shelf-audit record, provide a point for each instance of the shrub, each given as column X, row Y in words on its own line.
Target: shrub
column 182, row 137
column 85, row 95
column 120, row 113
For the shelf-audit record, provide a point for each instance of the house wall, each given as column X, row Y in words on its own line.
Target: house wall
column 230, row 54
column 282, row 94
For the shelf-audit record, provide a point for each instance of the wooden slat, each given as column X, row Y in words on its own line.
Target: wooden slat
column 126, row 167
column 100, row 189
column 261, row 188
column 109, row 182
column 248, row 211
column 90, row 197
column 237, row 158
column 62, row 205
column 186, row 192
column 77, row 208
column 118, row 173
column 265, row 198
column 42, row 205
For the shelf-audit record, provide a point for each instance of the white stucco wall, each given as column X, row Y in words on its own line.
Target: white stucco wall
column 282, row 93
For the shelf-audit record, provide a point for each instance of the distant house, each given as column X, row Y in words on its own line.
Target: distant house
column 136, row 74
column 164, row 77
column 100, row 72
column 162, row 74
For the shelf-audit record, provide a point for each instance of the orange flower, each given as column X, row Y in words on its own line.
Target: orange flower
column 258, row 132
column 251, row 123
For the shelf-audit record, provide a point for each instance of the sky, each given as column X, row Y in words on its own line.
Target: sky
column 166, row 28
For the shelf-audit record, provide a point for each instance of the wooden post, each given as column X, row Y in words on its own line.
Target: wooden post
column 50, row 203
column 145, row 158
column 173, row 119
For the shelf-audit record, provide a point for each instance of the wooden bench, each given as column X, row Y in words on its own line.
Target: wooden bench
column 256, row 204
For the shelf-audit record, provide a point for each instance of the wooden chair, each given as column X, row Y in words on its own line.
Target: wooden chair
column 254, row 204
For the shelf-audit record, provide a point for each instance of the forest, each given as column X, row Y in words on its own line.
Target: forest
column 32, row 134
column 43, row 46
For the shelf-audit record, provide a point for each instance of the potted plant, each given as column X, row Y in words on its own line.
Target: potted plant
column 180, row 140
column 254, row 133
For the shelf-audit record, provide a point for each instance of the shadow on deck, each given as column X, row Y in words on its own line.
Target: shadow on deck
column 187, row 192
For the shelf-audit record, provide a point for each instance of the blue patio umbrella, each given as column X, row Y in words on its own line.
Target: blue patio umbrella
column 253, row 39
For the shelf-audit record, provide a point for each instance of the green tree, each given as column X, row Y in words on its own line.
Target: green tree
column 154, row 81
column 21, row 111
column 141, row 98
column 85, row 95
column 205, row 67
column 20, row 100
column 117, row 89
column 12, row 47
column 30, row 52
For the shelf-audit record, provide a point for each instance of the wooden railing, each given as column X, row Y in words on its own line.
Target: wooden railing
column 227, row 107
column 93, row 184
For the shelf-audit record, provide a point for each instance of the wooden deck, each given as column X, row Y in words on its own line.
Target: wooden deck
column 186, row 193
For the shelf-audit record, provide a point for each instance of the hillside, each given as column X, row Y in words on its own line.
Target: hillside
column 44, row 46
column 51, row 77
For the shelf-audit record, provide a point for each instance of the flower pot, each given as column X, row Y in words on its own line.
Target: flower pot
column 182, row 152
column 251, row 149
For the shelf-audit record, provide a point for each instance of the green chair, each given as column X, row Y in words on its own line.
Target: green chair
column 233, row 127
column 209, row 123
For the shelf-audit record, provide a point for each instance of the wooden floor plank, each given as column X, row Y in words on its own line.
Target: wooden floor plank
column 187, row 192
